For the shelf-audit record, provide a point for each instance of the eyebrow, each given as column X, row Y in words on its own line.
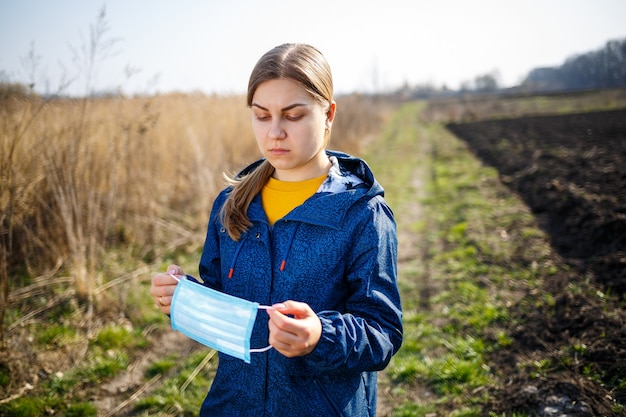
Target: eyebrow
column 284, row 109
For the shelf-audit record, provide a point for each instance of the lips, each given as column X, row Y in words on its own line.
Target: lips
column 278, row 151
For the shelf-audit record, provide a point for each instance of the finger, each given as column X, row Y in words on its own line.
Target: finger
column 174, row 269
column 282, row 323
column 282, row 341
column 297, row 309
column 278, row 332
column 301, row 330
column 163, row 280
column 165, row 309
column 165, row 300
column 291, row 316
column 162, row 285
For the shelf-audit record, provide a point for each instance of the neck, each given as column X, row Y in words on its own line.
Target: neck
column 316, row 169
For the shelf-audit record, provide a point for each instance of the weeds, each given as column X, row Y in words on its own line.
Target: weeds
column 180, row 395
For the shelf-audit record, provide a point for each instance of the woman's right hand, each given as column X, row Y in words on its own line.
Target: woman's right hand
column 163, row 286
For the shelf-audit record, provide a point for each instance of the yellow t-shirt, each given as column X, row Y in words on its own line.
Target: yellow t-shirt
column 280, row 197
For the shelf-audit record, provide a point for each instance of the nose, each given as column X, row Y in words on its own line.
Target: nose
column 276, row 130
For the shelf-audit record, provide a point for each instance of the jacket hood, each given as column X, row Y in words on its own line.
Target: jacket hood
column 349, row 180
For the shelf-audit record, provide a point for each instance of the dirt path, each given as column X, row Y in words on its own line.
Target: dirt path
column 117, row 396
column 413, row 270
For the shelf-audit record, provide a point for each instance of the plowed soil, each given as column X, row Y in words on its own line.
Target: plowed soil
column 571, row 172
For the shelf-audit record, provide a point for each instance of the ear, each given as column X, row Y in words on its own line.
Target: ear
column 330, row 114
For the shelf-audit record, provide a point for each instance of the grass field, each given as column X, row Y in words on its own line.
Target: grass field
column 126, row 189
column 457, row 267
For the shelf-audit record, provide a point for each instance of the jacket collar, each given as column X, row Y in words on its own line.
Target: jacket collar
column 349, row 179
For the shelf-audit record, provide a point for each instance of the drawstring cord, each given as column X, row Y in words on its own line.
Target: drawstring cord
column 231, row 271
column 283, row 263
column 286, row 254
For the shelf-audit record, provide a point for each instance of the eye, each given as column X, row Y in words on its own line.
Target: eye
column 294, row 117
column 261, row 117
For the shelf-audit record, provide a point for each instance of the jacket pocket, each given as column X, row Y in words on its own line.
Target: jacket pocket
column 331, row 406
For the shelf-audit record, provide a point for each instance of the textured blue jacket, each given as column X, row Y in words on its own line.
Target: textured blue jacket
column 336, row 252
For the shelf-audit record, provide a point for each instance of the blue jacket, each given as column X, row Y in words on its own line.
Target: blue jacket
column 338, row 253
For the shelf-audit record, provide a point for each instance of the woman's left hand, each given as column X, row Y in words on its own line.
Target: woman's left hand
column 295, row 329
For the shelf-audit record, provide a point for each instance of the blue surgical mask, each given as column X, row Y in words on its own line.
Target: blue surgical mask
column 217, row 320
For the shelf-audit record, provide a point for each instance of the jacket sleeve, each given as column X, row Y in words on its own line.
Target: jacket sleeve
column 368, row 333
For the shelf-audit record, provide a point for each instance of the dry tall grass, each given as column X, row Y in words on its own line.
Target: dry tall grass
column 79, row 177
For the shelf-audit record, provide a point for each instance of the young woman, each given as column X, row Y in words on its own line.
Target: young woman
column 307, row 231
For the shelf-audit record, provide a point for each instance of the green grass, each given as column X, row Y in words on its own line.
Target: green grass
column 54, row 333
column 69, row 393
column 478, row 246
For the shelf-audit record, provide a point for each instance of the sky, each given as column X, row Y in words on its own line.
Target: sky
column 210, row 46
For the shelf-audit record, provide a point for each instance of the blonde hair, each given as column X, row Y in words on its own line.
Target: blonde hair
column 298, row 62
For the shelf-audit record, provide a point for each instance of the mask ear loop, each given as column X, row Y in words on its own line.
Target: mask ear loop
column 265, row 349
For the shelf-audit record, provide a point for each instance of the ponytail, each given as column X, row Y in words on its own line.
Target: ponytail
column 234, row 212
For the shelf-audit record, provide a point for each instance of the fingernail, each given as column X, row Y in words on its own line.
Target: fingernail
column 171, row 272
column 279, row 306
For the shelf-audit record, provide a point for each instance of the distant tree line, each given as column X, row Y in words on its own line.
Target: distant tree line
column 603, row 68
column 600, row 69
